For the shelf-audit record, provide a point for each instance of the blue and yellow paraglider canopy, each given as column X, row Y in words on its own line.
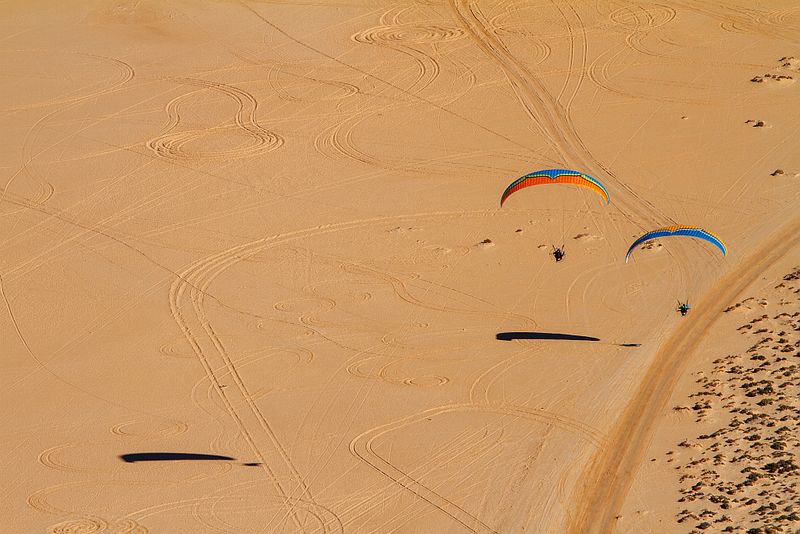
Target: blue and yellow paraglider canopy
column 688, row 231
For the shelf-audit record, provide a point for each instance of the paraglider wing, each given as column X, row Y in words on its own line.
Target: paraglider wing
column 556, row 176
column 688, row 231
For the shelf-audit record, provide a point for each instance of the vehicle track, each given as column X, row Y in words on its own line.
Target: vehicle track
column 125, row 71
column 171, row 143
column 204, row 509
column 412, row 39
column 340, row 89
column 499, row 27
column 639, row 20
column 362, row 447
column 576, row 31
column 468, row 449
column 174, row 428
column 600, row 75
column 550, row 117
column 609, row 475
column 49, row 459
column 479, row 402
column 91, row 525
column 208, row 347
column 744, row 20
column 80, row 522
column 387, row 83
column 187, row 295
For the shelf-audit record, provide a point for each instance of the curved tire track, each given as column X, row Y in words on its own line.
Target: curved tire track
column 171, row 143
column 548, row 115
column 362, row 447
column 187, row 295
column 610, row 473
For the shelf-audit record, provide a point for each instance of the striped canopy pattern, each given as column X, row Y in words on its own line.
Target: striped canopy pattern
column 688, row 231
column 556, row 176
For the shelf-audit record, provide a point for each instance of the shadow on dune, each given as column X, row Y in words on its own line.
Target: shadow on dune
column 551, row 336
column 169, row 457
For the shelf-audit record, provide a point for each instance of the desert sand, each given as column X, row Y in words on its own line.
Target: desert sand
column 255, row 277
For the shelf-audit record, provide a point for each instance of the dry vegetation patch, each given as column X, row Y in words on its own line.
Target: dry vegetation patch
column 739, row 472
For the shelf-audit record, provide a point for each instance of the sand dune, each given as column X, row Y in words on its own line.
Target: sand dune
column 255, row 276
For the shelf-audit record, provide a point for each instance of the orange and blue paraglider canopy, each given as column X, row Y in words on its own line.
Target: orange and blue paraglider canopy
column 556, row 176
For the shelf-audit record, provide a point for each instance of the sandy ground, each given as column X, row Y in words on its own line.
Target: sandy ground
column 254, row 276
column 726, row 448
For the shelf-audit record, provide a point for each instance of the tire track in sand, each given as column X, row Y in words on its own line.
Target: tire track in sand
column 90, row 525
column 79, row 522
column 233, row 499
column 639, row 20
column 388, row 83
column 480, row 401
column 411, row 40
column 170, row 144
column 609, row 475
column 549, row 116
column 362, row 447
column 744, row 20
column 208, row 347
column 187, row 296
column 125, row 71
column 538, row 49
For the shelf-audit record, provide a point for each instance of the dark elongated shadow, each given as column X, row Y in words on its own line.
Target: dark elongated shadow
column 551, row 336
column 169, row 457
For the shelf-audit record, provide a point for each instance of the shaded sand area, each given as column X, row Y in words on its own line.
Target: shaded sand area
column 254, row 276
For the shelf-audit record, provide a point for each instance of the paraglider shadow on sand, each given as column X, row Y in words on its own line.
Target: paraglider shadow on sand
column 511, row 336
column 553, row 336
column 174, row 457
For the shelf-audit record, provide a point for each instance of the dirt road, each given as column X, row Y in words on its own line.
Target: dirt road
column 609, row 475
